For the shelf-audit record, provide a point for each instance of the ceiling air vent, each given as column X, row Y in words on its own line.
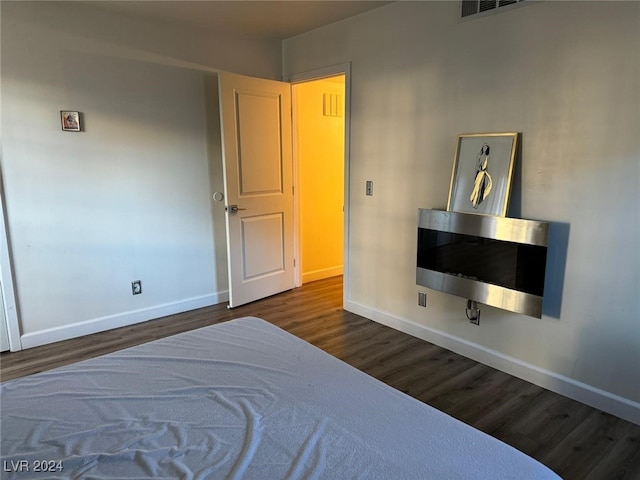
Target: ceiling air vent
column 474, row 7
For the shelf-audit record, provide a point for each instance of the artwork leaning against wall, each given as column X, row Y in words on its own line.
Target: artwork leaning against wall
column 482, row 173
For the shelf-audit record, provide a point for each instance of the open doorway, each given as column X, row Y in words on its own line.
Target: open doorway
column 320, row 179
column 319, row 149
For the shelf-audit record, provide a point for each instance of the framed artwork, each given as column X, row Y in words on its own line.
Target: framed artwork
column 482, row 173
column 70, row 121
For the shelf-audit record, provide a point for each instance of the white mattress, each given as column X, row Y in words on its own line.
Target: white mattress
column 239, row 400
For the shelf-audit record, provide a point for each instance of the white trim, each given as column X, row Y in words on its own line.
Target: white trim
column 295, row 151
column 8, row 289
column 569, row 387
column 331, row 71
column 321, row 273
column 102, row 324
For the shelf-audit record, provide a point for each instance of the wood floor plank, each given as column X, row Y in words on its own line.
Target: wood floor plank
column 621, row 461
column 576, row 441
column 515, row 403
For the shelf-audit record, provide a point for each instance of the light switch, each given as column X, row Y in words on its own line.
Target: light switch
column 369, row 190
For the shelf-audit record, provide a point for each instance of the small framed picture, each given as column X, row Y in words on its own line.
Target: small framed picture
column 70, row 121
column 482, row 173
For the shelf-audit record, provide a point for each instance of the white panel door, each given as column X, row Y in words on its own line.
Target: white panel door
column 258, row 177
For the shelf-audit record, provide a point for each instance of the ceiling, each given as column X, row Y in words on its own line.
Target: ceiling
column 272, row 19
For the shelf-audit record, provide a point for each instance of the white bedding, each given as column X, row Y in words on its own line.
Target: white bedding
column 239, row 400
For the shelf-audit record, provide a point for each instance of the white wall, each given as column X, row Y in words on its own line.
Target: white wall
column 129, row 197
column 566, row 75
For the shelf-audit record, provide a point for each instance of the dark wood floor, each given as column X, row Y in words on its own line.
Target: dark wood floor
column 576, row 441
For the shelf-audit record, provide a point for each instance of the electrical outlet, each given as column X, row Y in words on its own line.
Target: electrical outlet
column 422, row 299
column 136, row 287
column 473, row 312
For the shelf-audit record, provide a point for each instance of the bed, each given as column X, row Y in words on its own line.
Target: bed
column 238, row 400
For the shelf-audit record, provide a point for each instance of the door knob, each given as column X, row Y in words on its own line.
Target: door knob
column 233, row 208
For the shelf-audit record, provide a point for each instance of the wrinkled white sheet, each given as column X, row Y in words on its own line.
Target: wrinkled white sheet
column 239, row 400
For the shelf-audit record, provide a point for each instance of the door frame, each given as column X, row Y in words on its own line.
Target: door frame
column 9, row 304
column 319, row 74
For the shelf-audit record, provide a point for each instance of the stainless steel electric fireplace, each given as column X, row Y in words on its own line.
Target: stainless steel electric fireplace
column 495, row 261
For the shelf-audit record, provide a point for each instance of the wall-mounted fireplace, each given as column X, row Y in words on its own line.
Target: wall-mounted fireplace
column 495, row 261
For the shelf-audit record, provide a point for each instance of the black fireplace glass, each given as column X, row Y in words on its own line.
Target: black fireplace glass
column 516, row 266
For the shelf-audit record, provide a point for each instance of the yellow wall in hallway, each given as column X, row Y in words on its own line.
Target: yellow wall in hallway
column 320, row 148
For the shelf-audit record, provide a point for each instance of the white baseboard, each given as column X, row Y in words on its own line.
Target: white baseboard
column 592, row 396
column 321, row 274
column 124, row 319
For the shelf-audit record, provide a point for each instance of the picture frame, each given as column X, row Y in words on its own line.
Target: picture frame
column 70, row 121
column 482, row 173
